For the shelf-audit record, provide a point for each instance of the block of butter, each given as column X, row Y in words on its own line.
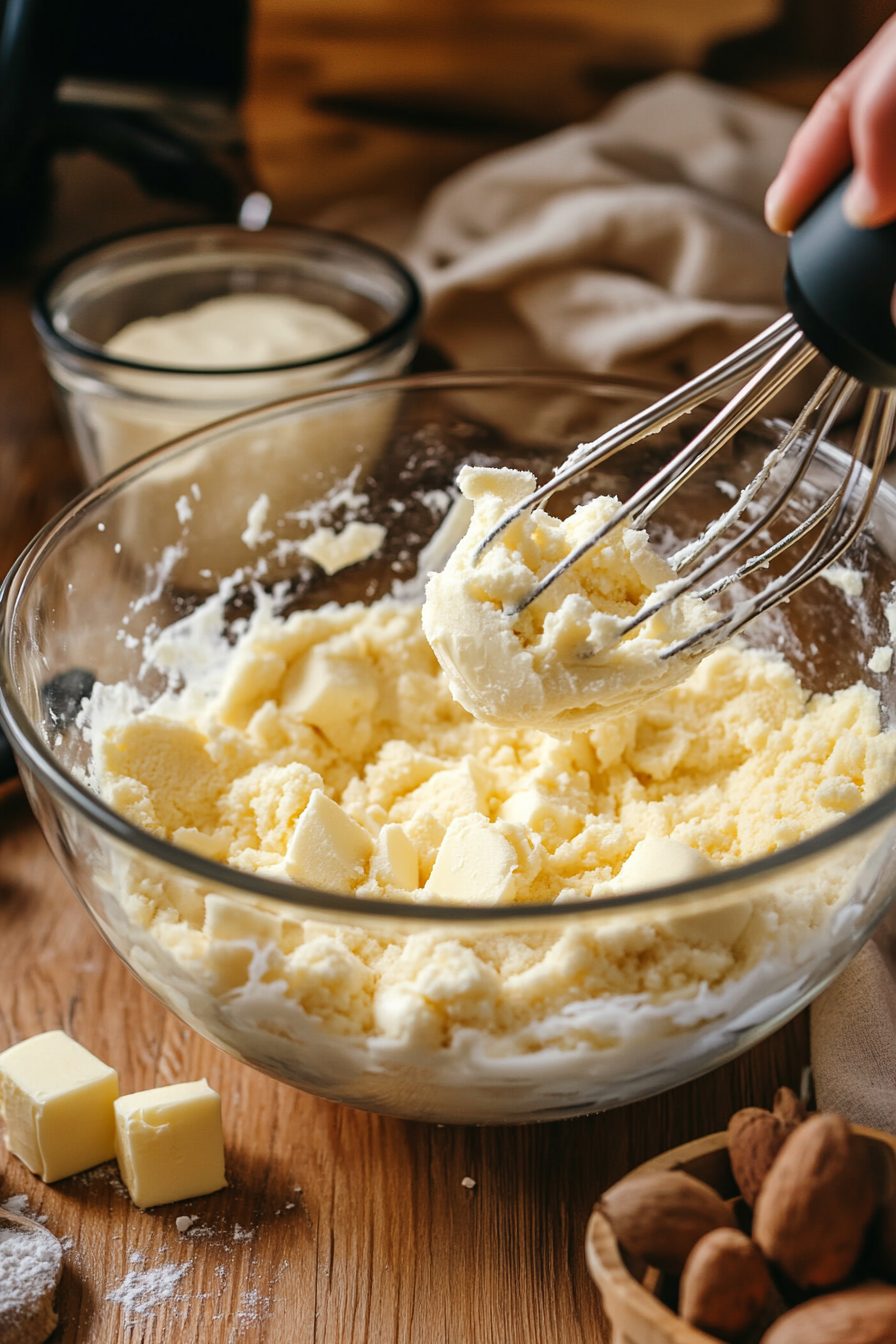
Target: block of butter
column 57, row 1099
column 169, row 1143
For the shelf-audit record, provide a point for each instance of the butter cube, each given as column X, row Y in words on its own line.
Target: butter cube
column 658, row 862
column 395, row 862
column 235, row 932
column 328, row 850
column 334, row 694
column 475, row 865
column 532, row 808
column 453, row 793
column 56, row 1098
column 169, row 1143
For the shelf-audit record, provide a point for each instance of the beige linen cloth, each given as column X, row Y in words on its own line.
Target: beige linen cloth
column 854, row 1036
column 630, row 244
column 635, row 244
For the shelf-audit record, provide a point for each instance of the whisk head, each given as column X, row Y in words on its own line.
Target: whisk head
column 739, row 542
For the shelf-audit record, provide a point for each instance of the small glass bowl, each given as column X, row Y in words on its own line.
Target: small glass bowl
column 143, row 548
column 114, row 409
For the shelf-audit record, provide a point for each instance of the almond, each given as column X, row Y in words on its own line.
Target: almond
column 865, row 1315
column 788, row 1108
column 725, row 1284
column 816, row 1203
column 660, row 1217
column 755, row 1137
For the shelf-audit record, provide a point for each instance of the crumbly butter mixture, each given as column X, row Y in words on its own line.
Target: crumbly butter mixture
column 563, row 661
column 326, row 749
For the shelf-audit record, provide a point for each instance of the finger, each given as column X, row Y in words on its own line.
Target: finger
column 871, row 198
column 819, row 152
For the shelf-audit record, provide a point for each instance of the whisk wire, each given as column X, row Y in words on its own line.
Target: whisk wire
column 877, row 428
column 762, row 368
column 774, row 375
column 733, row 369
column 794, row 353
column 828, row 400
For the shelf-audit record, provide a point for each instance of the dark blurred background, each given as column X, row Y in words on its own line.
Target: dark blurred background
column 369, row 102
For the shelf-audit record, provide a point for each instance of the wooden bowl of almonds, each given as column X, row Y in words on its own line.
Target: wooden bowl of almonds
column 780, row 1230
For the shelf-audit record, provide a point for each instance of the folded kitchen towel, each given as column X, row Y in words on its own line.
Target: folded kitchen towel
column 631, row 244
column 853, row 1033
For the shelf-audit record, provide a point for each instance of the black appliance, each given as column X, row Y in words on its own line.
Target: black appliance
column 153, row 85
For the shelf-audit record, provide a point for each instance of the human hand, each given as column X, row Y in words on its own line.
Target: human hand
column 853, row 122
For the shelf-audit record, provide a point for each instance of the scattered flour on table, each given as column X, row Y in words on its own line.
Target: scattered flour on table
column 142, row 1290
column 107, row 1172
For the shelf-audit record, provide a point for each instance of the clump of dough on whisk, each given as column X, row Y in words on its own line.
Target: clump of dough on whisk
column 559, row 664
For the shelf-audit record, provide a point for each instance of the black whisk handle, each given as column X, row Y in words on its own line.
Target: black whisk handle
column 839, row 287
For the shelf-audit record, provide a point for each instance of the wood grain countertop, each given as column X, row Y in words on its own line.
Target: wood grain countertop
column 337, row 1227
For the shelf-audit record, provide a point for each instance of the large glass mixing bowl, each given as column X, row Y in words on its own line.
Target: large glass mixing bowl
column 149, row 544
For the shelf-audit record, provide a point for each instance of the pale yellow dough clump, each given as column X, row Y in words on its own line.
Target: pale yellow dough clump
column 563, row 662
column 326, row 749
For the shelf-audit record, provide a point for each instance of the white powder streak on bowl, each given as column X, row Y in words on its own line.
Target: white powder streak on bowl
column 334, row 551
column 890, row 614
column 256, row 518
column 881, row 659
column 849, row 581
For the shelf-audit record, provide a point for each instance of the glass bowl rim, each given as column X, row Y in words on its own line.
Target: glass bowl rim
column 62, row 343
column 37, row 756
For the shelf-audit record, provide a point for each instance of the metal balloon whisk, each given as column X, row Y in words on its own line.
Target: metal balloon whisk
column 839, row 287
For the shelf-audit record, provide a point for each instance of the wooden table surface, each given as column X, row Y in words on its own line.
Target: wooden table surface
column 337, row 1226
